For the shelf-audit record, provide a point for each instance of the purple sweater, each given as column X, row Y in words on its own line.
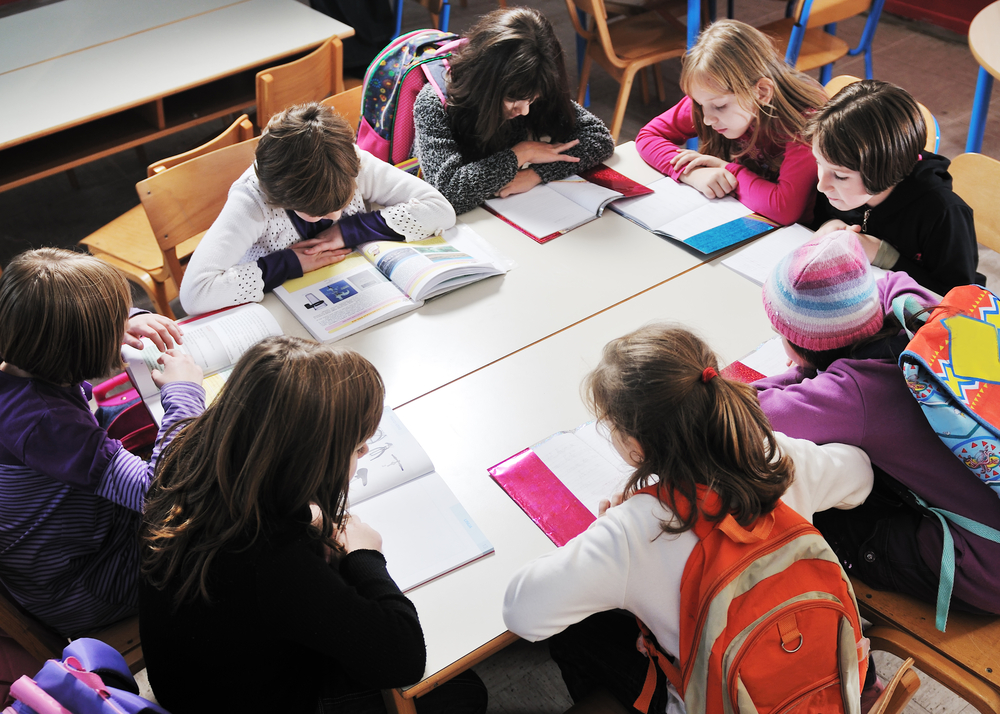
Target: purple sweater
column 71, row 502
column 866, row 403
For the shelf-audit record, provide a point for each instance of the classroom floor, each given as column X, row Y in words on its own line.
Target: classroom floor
column 935, row 65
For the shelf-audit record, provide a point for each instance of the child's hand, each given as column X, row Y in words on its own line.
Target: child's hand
column 836, row 225
column 712, row 182
column 525, row 180
column 689, row 160
column 177, row 367
column 161, row 331
column 541, row 152
column 324, row 249
column 616, row 500
column 357, row 535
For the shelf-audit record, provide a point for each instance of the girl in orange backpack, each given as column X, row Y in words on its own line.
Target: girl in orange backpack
column 681, row 426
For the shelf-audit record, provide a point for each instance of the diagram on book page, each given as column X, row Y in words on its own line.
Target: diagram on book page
column 394, row 457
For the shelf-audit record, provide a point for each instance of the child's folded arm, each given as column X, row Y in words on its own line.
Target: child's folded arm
column 949, row 252
column 464, row 185
column 127, row 477
column 565, row 586
column 215, row 277
column 661, row 139
column 595, row 146
column 787, row 199
column 413, row 208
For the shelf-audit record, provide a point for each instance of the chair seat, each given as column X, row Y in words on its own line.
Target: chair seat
column 819, row 48
column 646, row 38
column 130, row 238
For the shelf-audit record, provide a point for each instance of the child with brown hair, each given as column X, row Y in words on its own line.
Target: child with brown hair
column 71, row 497
column 251, row 564
column 681, row 426
column 305, row 203
column 876, row 179
column 748, row 109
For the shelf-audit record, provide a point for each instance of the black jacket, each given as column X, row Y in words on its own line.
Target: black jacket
column 926, row 222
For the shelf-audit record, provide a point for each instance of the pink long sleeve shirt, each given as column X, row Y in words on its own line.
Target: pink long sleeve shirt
column 775, row 179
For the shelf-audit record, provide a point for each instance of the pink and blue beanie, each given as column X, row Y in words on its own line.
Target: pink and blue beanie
column 822, row 296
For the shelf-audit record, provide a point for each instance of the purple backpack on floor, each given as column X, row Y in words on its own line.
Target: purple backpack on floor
column 91, row 678
column 392, row 82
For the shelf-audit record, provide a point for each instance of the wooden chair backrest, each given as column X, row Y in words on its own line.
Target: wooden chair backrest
column 239, row 130
column 183, row 201
column 823, row 12
column 348, row 105
column 309, row 79
column 977, row 180
column 933, row 134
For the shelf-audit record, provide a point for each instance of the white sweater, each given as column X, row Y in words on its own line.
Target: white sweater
column 223, row 270
column 624, row 560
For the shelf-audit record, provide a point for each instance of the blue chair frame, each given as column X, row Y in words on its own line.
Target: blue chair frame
column 864, row 44
column 443, row 17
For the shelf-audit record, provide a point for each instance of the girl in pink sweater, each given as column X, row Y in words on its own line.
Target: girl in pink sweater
column 747, row 108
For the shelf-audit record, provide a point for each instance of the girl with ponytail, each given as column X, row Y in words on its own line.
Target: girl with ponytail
column 680, row 425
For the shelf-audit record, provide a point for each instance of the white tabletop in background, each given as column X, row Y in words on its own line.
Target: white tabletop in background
column 484, row 418
column 553, row 286
column 93, row 57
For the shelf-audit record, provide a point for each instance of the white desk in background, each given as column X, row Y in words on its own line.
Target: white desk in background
column 82, row 79
column 554, row 285
column 485, row 417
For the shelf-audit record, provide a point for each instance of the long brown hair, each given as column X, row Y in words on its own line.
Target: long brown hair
column 279, row 437
column 62, row 315
column 731, row 57
column 512, row 53
column 693, row 431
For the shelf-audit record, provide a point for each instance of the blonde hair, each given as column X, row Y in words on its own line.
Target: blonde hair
column 62, row 315
column 731, row 57
column 279, row 437
column 694, row 428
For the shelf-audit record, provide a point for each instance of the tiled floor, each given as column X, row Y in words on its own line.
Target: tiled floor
column 934, row 65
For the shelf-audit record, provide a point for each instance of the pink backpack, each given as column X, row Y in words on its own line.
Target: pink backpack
column 392, row 82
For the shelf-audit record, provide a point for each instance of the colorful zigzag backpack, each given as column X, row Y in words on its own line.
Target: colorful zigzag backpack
column 392, row 82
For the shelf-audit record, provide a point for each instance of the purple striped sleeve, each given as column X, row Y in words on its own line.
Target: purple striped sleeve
column 127, row 477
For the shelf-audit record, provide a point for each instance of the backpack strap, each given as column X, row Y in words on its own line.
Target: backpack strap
column 946, row 580
column 646, row 644
column 907, row 306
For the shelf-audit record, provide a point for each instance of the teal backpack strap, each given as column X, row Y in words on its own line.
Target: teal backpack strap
column 946, row 581
column 904, row 306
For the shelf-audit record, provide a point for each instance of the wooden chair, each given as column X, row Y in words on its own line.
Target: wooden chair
column 182, row 202
column 348, row 105
column 624, row 47
column 933, row 128
column 309, row 79
column 808, row 36
column 42, row 643
column 977, row 181
column 965, row 659
column 128, row 242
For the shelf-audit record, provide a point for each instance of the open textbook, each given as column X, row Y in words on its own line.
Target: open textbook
column 549, row 210
column 425, row 530
column 215, row 340
column 560, row 482
column 676, row 210
column 382, row 279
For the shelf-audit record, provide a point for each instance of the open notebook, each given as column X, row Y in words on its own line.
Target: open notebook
column 425, row 531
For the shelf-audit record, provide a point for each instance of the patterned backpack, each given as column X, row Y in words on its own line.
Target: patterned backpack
column 392, row 82
column 769, row 622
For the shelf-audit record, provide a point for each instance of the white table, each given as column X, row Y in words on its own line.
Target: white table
column 485, row 417
column 81, row 79
column 554, row 286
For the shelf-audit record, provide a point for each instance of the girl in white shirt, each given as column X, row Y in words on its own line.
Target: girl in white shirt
column 679, row 425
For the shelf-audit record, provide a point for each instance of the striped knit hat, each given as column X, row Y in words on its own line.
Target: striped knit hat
column 822, row 296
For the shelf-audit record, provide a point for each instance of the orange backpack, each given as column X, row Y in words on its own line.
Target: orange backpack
column 769, row 622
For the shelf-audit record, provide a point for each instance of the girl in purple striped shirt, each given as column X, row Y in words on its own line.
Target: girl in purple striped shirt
column 71, row 497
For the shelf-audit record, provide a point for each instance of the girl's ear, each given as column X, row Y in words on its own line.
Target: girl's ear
column 765, row 91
